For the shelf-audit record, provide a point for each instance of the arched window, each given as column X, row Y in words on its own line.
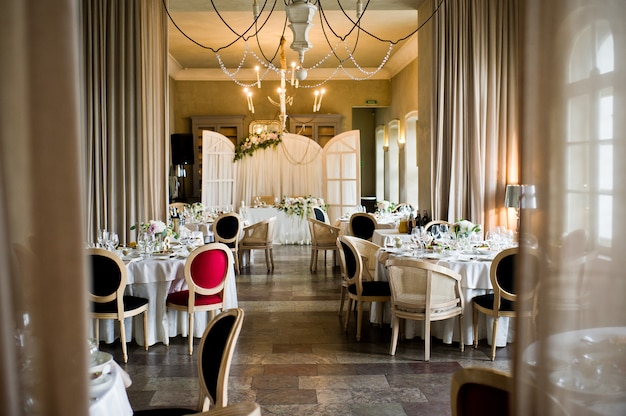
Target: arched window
column 380, row 163
column 393, row 192
column 589, row 136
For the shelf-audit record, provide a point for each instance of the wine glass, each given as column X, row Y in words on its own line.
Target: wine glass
column 114, row 241
column 389, row 243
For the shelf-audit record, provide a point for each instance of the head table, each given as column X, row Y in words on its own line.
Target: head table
column 474, row 271
column 153, row 278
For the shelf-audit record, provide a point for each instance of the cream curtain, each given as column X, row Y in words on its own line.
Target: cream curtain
column 125, row 49
column 573, row 147
column 43, row 328
column 474, row 136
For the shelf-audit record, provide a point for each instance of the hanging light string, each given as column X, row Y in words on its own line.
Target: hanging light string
column 268, row 63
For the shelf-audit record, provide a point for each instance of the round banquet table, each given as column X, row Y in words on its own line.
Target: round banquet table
column 112, row 399
column 154, row 278
column 474, row 281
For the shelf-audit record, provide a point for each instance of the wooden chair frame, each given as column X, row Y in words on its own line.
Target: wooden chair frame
column 252, row 241
column 234, row 240
column 190, row 307
column 423, row 307
column 323, row 237
column 117, row 296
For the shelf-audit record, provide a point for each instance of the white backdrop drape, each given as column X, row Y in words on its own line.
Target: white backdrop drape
column 293, row 168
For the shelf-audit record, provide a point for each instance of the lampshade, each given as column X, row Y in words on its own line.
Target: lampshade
column 520, row 196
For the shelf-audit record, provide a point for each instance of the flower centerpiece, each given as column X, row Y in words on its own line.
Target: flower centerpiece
column 250, row 144
column 385, row 206
column 157, row 229
column 301, row 206
column 464, row 229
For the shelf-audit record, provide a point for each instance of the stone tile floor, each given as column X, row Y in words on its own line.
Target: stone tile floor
column 294, row 358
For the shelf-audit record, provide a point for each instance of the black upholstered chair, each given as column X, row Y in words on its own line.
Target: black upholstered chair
column 362, row 225
column 108, row 282
column 501, row 303
column 359, row 290
column 227, row 229
column 214, row 360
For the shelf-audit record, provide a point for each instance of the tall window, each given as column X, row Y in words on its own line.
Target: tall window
column 590, row 135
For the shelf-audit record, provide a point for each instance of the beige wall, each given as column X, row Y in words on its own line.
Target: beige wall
column 195, row 98
column 395, row 98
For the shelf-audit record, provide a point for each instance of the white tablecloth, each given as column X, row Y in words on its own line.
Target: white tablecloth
column 154, row 279
column 288, row 229
column 474, row 281
column 112, row 399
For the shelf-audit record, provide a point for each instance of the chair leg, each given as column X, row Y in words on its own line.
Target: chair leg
column 267, row 259
column 190, row 335
column 123, row 340
column 96, row 329
column 359, row 319
column 426, row 340
column 272, row 258
column 313, row 257
column 345, row 324
column 475, row 325
column 236, row 256
column 342, row 300
column 395, row 326
column 460, row 319
column 494, row 333
column 145, row 329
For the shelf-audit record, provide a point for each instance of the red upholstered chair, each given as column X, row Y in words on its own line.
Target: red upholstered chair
column 206, row 271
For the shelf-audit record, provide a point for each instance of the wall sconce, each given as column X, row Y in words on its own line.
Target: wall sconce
column 520, row 196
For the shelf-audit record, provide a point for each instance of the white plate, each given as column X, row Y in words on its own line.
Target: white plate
column 100, row 385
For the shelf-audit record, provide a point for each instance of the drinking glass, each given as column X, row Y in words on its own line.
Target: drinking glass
column 114, row 241
column 389, row 243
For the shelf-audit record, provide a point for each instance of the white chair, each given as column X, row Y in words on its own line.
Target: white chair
column 423, row 291
column 259, row 236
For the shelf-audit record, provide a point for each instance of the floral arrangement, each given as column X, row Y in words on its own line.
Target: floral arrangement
column 154, row 227
column 385, row 206
column 464, row 228
column 250, row 144
column 197, row 210
column 301, row 206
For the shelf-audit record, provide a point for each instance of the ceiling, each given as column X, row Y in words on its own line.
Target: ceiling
column 389, row 20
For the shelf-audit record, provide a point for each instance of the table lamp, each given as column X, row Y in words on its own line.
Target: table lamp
column 520, row 196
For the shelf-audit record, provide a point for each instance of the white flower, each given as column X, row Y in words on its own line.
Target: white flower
column 156, row 227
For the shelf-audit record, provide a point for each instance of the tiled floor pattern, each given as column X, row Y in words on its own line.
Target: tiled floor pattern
column 293, row 357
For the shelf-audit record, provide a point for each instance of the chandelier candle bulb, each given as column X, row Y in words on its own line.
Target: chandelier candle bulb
column 319, row 103
column 316, row 93
column 258, row 78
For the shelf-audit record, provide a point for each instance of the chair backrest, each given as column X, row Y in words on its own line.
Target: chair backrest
column 362, row 225
column 425, row 287
column 260, row 232
column 320, row 215
column 481, row 392
column 180, row 207
column 403, row 206
column 227, row 229
column 215, row 355
column 206, row 269
column 322, row 232
column 502, row 275
column 108, row 277
column 435, row 225
column 352, row 262
column 367, row 250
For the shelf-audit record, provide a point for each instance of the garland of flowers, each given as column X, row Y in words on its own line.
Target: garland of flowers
column 250, row 144
column 301, row 206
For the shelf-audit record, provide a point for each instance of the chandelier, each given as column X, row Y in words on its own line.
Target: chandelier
column 341, row 41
